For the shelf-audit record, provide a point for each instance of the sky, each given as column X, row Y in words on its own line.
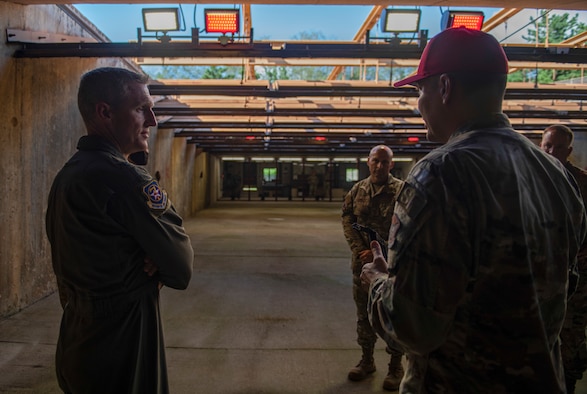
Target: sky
column 270, row 22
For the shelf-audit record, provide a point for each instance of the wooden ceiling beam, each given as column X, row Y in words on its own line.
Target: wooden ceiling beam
column 248, row 29
column 500, row 17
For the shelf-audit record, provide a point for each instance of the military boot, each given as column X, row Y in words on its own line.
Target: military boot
column 395, row 373
column 364, row 368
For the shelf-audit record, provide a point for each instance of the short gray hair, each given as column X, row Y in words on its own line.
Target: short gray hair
column 105, row 84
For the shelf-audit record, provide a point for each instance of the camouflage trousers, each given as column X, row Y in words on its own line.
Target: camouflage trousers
column 366, row 336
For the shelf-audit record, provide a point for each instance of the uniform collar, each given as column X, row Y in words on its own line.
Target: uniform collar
column 493, row 121
column 98, row 143
column 386, row 186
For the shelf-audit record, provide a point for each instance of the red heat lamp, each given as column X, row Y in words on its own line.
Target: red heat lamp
column 468, row 19
column 413, row 139
column 250, row 137
column 320, row 139
column 222, row 21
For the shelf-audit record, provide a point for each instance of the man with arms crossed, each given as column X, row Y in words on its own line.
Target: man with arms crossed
column 115, row 240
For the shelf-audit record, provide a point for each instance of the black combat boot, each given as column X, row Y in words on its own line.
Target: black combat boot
column 364, row 368
column 395, row 374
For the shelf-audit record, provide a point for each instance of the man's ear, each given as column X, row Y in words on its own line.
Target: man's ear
column 445, row 87
column 103, row 111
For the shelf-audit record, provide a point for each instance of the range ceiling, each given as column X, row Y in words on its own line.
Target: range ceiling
column 333, row 117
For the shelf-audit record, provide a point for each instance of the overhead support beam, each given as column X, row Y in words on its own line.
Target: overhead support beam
column 307, row 126
column 248, row 27
column 213, row 49
column 291, row 112
column 317, row 127
column 346, row 91
column 361, row 36
column 271, row 150
column 577, row 40
column 291, row 50
column 500, row 17
column 347, row 113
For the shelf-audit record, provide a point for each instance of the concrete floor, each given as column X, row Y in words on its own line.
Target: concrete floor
column 269, row 310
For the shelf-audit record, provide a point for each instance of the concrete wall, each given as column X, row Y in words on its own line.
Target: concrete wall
column 201, row 180
column 39, row 129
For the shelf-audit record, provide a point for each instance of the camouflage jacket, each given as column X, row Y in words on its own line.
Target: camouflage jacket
column 366, row 205
column 484, row 232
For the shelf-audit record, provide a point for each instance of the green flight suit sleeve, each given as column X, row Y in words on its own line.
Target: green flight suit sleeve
column 152, row 221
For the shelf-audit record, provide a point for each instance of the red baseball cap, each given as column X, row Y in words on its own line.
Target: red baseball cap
column 460, row 50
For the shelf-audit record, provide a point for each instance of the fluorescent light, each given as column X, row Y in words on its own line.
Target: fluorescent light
column 161, row 19
column 236, row 158
column 406, row 159
column 262, row 159
column 290, row 159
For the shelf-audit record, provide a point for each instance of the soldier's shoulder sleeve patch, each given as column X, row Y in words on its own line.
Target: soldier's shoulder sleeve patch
column 409, row 205
column 411, row 200
column 156, row 197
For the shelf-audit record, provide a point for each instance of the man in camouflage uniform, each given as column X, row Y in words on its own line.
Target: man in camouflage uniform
column 484, row 233
column 370, row 203
column 557, row 141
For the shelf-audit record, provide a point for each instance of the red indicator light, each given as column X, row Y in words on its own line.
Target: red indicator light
column 413, row 139
column 250, row 137
column 320, row 138
column 222, row 21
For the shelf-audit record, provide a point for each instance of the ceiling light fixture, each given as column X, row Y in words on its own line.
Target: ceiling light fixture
column 222, row 21
column 469, row 19
column 161, row 20
column 397, row 21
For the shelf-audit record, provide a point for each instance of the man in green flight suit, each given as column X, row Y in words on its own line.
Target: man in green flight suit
column 115, row 241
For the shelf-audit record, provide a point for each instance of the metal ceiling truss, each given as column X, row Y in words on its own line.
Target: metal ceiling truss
column 328, row 118
column 556, row 54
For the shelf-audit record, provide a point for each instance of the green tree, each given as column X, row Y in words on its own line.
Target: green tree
column 374, row 73
column 557, row 28
column 222, row 72
column 174, row 72
column 309, row 73
column 274, row 73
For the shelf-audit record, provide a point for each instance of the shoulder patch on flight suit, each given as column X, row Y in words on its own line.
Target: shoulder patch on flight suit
column 156, row 197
